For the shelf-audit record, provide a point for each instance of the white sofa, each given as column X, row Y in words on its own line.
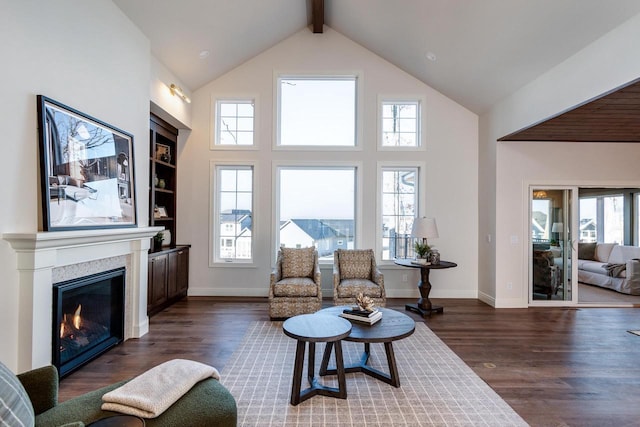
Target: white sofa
column 593, row 271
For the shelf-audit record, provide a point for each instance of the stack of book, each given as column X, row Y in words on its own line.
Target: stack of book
column 365, row 316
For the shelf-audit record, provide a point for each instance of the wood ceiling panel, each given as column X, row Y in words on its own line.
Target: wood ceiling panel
column 611, row 117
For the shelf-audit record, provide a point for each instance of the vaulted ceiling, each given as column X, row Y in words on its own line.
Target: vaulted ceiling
column 483, row 49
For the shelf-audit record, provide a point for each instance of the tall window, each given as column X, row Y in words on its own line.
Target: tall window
column 399, row 195
column 602, row 219
column 317, row 111
column 400, row 123
column 234, row 123
column 316, row 207
column 233, row 213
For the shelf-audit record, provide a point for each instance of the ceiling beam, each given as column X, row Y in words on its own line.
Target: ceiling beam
column 317, row 15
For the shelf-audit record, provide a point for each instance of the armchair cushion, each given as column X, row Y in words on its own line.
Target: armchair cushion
column 295, row 287
column 355, row 264
column 297, row 262
column 350, row 287
column 15, row 405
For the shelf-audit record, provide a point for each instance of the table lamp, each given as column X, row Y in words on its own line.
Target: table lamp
column 424, row 228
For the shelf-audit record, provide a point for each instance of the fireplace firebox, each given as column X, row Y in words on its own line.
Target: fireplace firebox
column 88, row 318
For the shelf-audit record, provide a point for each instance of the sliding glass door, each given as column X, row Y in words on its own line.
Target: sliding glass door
column 552, row 217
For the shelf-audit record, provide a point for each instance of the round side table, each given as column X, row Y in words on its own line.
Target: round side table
column 313, row 328
column 424, row 306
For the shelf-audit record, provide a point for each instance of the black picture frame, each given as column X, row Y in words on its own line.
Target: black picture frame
column 86, row 170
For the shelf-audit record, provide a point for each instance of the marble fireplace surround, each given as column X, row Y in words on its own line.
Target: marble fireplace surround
column 46, row 258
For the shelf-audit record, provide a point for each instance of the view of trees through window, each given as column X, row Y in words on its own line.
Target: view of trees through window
column 234, row 121
column 399, row 208
column 400, row 124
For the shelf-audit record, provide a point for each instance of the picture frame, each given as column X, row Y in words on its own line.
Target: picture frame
column 160, row 212
column 163, row 153
column 86, row 170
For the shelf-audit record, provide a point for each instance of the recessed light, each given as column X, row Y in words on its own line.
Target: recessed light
column 431, row 56
column 203, row 54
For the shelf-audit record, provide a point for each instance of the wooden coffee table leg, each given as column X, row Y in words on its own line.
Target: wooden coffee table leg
column 325, row 358
column 311, row 365
column 342, row 382
column 297, row 372
column 394, row 378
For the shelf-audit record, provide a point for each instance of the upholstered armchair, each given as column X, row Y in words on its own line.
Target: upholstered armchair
column 546, row 275
column 295, row 286
column 355, row 271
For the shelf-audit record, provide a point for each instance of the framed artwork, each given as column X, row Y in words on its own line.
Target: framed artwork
column 86, row 170
column 160, row 212
column 163, row 153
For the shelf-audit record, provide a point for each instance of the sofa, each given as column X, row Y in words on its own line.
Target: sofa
column 611, row 266
column 31, row 398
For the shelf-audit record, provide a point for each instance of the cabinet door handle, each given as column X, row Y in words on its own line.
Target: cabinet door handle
column 180, row 252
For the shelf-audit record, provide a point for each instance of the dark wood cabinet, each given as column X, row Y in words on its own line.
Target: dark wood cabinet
column 168, row 278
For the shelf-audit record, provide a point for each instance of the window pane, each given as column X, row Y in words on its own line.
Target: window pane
column 234, row 116
column 400, row 125
column 614, row 219
column 399, row 208
column 317, row 208
column 588, row 220
column 317, row 112
column 234, row 212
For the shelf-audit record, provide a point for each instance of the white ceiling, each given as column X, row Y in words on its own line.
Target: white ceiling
column 485, row 49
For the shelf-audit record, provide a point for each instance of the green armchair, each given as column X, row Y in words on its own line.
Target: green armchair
column 208, row 403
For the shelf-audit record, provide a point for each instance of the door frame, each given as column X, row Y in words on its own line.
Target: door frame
column 528, row 254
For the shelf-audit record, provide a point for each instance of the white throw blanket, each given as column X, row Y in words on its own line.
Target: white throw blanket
column 151, row 393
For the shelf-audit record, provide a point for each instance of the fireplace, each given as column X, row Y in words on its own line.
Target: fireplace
column 88, row 318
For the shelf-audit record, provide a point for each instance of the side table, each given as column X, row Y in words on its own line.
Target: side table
column 312, row 328
column 424, row 306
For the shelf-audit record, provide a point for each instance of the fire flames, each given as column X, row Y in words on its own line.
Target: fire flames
column 67, row 324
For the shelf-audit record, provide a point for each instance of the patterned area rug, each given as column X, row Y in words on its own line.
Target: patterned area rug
column 437, row 387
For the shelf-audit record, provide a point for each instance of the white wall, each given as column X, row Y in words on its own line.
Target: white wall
column 164, row 104
column 87, row 55
column 451, row 158
column 605, row 64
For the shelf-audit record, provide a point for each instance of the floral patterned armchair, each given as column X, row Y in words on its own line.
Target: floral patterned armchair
column 295, row 286
column 355, row 271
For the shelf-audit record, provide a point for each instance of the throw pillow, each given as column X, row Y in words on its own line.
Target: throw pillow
column 297, row 262
column 15, row 406
column 355, row 264
column 587, row 251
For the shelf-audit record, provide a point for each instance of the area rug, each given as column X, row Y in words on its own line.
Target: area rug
column 437, row 387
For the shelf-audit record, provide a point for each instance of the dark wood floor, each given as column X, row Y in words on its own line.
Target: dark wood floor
column 554, row 366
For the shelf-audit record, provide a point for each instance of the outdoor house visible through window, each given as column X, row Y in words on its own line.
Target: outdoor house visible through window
column 317, row 111
column 234, row 213
column 400, row 124
column 316, row 207
column 234, row 122
column 399, row 208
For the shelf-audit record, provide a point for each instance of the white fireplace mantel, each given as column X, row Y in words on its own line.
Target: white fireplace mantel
column 40, row 253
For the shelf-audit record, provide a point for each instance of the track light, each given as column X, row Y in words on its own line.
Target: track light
column 177, row 90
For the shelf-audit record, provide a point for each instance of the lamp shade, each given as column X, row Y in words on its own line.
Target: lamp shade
column 424, row 228
column 557, row 227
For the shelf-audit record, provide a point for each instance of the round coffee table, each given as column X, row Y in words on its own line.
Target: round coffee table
column 392, row 327
column 313, row 328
